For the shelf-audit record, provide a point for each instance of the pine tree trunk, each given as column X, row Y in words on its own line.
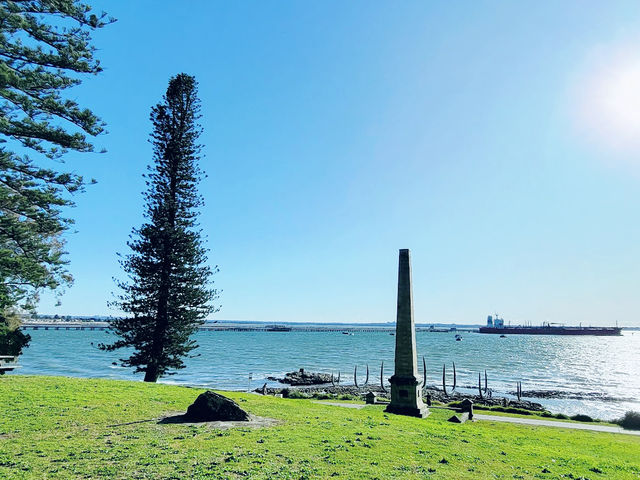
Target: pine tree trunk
column 162, row 318
column 151, row 374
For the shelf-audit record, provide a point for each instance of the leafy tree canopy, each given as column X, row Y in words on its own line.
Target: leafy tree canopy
column 12, row 339
column 45, row 49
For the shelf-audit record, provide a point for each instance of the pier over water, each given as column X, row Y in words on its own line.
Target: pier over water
column 239, row 327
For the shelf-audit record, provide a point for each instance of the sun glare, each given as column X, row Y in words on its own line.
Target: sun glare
column 609, row 111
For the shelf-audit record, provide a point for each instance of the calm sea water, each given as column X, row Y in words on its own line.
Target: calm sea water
column 595, row 366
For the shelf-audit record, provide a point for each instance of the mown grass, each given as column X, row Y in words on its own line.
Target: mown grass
column 54, row 427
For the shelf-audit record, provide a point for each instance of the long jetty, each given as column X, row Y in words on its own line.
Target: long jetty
column 220, row 327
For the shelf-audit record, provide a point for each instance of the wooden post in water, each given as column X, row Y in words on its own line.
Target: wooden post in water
column 454, row 377
column 424, row 373
column 444, row 381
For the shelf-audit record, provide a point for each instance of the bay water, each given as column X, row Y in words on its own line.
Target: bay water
column 597, row 376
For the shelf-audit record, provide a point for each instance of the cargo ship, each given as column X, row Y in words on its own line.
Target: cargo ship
column 495, row 324
column 277, row 328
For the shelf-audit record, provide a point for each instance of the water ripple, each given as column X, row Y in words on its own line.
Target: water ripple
column 605, row 365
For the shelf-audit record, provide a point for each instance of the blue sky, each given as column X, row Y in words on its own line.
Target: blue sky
column 496, row 140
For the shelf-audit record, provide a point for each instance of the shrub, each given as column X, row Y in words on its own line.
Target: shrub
column 631, row 421
column 581, row 418
column 561, row 416
column 323, row 396
column 347, row 396
column 546, row 414
column 519, row 411
column 12, row 340
column 292, row 393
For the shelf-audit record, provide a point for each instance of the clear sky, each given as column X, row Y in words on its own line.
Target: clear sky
column 499, row 141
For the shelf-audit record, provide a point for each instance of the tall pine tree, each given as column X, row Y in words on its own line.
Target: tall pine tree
column 168, row 294
column 45, row 49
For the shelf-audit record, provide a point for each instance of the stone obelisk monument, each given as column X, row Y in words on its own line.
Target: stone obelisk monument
column 406, row 395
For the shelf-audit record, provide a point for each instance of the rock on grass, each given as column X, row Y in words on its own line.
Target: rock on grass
column 211, row 407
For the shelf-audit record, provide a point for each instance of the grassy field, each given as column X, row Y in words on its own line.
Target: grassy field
column 54, row 427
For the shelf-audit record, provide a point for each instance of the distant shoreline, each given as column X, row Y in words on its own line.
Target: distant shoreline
column 248, row 324
column 246, row 327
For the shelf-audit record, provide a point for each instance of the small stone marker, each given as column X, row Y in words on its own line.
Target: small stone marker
column 467, row 407
column 461, row 419
column 211, row 407
column 406, row 395
column 370, row 398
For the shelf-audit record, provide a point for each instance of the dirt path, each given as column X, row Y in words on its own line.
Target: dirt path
column 524, row 421
column 549, row 423
column 345, row 405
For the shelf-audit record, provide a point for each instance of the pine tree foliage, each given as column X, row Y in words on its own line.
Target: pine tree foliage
column 45, row 49
column 168, row 293
column 12, row 339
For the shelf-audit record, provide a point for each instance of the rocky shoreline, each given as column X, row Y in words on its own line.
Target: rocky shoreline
column 434, row 394
column 310, row 383
column 301, row 377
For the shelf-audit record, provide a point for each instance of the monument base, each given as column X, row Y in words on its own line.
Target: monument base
column 422, row 412
column 406, row 398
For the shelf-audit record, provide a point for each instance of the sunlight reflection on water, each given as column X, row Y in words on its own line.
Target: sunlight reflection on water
column 608, row 366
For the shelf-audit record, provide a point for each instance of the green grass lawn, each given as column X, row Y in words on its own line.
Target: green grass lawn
column 55, row 427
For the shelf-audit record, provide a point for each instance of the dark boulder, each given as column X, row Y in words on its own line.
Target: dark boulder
column 211, row 407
